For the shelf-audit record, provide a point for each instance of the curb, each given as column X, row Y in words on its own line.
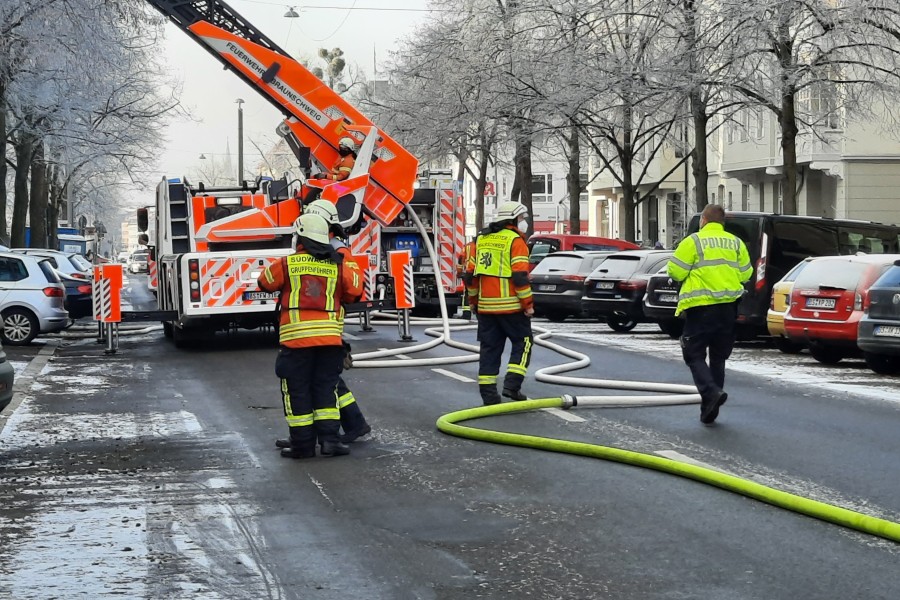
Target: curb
column 24, row 381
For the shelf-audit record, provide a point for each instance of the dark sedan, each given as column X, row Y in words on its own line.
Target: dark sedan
column 615, row 290
column 879, row 328
column 660, row 303
column 78, row 296
column 557, row 283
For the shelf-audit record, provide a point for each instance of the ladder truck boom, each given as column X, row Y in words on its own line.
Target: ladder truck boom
column 316, row 116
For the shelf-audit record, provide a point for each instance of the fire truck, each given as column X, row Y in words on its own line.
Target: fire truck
column 211, row 243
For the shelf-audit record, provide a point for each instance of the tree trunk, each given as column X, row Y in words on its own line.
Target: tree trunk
column 699, row 156
column 39, row 202
column 626, row 158
column 53, row 209
column 480, row 184
column 4, row 237
column 789, row 153
column 573, row 180
column 516, row 190
column 523, row 172
column 24, row 150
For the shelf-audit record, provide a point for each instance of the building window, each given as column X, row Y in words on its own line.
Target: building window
column 583, row 181
column 745, row 125
column 730, row 201
column 760, row 124
column 745, row 197
column 542, row 188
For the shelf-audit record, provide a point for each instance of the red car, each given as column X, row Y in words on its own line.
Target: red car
column 827, row 303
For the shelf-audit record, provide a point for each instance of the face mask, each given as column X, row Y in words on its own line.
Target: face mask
column 522, row 226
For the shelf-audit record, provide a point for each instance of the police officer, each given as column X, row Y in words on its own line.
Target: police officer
column 712, row 266
column 313, row 282
column 499, row 292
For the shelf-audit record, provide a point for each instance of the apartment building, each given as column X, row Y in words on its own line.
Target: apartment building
column 847, row 169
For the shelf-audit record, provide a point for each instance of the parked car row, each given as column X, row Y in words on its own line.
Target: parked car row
column 41, row 291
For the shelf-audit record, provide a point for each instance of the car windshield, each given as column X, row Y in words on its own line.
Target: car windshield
column 585, row 246
column 139, row 257
column 831, row 274
column 557, row 263
column 80, row 262
column 48, row 270
column 891, row 278
column 618, row 266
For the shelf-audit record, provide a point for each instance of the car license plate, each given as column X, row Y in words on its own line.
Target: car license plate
column 250, row 296
column 669, row 298
column 606, row 285
column 547, row 287
column 820, row 302
column 887, row 331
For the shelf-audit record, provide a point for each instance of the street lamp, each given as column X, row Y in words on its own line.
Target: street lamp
column 291, row 13
column 240, row 176
column 202, row 156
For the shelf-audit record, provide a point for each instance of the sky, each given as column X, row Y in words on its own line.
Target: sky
column 209, row 92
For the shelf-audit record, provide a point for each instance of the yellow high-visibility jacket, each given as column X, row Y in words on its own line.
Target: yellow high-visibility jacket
column 712, row 265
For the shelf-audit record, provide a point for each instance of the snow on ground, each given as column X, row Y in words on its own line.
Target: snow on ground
column 850, row 376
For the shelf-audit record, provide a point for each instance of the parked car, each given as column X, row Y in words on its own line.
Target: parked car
column 776, row 243
column 139, row 262
column 84, row 264
column 558, row 283
column 778, row 307
column 67, row 263
column 660, row 302
column 79, row 296
column 123, row 257
column 32, row 299
column 879, row 329
column 615, row 290
column 541, row 245
column 7, row 379
column 826, row 303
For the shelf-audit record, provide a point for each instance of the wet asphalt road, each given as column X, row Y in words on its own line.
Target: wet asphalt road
column 152, row 474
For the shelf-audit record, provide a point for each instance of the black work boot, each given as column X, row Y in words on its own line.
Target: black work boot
column 334, row 449
column 297, row 453
column 282, row 443
column 489, row 395
column 514, row 394
column 351, row 436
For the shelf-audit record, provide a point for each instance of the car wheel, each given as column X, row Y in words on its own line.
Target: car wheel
column 826, row 354
column 557, row 317
column 672, row 328
column 20, row 326
column 787, row 346
column 620, row 324
column 883, row 364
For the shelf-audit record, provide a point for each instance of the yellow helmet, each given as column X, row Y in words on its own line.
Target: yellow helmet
column 312, row 227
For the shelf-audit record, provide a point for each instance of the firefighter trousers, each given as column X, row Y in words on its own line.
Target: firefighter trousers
column 352, row 418
column 493, row 331
column 308, row 380
column 708, row 329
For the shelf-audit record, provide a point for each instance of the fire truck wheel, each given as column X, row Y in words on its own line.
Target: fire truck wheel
column 167, row 329
column 181, row 337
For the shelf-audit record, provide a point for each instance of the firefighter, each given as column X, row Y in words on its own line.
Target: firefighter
column 341, row 169
column 352, row 420
column 499, row 292
column 313, row 282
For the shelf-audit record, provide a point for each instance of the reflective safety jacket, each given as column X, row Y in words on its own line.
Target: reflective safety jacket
column 497, row 273
column 712, row 265
column 341, row 169
column 312, row 291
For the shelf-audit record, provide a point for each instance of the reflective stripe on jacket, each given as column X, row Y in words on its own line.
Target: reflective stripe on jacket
column 497, row 274
column 712, row 265
column 312, row 291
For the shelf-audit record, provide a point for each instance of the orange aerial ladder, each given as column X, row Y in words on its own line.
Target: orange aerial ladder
column 211, row 243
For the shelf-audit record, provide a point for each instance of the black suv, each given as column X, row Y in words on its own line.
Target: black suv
column 615, row 290
column 557, row 283
column 660, row 303
column 879, row 329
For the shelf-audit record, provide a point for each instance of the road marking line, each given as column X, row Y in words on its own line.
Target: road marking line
column 677, row 456
column 564, row 415
column 453, row 375
column 22, row 383
column 350, row 336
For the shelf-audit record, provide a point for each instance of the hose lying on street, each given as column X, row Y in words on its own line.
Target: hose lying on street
column 450, row 424
column 663, row 394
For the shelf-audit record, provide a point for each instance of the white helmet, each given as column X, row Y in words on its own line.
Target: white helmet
column 312, row 227
column 511, row 211
column 347, row 142
column 325, row 209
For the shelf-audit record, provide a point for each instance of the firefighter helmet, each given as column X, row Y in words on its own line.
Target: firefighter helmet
column 511, row 211
column 325, row 209
column 312, row 227
column 347, row 142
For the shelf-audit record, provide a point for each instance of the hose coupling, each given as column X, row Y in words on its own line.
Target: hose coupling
column 568, row 401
